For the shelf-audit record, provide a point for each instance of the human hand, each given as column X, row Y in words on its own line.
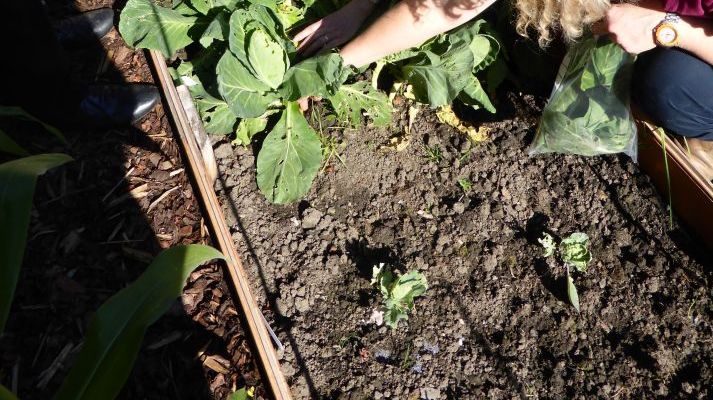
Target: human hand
column 631, row 26
column 304, row 102
column 333, row 30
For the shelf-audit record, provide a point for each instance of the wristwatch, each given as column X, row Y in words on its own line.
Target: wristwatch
column 665, row 33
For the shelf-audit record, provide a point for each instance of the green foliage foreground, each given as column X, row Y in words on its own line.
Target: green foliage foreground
column 18, row 179
column 115, row 333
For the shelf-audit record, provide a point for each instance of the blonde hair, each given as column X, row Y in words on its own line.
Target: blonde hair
column 546, row 17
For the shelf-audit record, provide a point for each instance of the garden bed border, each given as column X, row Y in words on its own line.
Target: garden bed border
column 691, row 196
column 266, row 356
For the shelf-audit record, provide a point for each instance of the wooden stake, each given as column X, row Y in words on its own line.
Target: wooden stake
column 266, row 355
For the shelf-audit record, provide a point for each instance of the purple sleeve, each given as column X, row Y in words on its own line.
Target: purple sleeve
column 693, row 8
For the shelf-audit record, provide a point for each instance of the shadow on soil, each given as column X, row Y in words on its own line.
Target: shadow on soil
column 88, row 237
column 283, row 323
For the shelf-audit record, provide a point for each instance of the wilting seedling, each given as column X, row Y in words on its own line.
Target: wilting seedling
column 398, row 294
column 574, row 252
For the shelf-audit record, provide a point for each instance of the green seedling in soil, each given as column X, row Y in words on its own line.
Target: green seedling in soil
column 406, row 360
column 463, row 251
column 574, row 252
column 330, row 145
column 433, row 154
column 345, row 340
column 465, row 155
column 465, row 184
column 242, row 394
column 398, row 293
column 330, row 150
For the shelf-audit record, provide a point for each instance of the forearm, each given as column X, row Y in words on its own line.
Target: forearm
column 408, row 24
column 696, row 37
column 360, row 9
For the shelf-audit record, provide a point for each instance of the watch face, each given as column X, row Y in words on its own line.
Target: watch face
column 667, row 34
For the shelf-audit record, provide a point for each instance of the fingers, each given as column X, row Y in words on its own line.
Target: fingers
column 315, row 44
column 329, row 46
column 308, row 31
column 303, row 103
column 317, row 38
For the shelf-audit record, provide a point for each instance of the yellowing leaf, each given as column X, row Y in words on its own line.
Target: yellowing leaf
column 350, row 100
column 446, row 115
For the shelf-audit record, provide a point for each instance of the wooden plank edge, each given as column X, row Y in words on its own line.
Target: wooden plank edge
column 262, row 341
column 691, row 196
column 676, row 151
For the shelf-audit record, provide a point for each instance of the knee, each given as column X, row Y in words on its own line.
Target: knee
column 674, row 89
column 658, row 99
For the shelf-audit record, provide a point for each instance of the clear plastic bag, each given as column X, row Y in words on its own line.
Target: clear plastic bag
column 588, row 112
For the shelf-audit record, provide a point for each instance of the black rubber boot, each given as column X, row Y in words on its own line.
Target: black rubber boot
column 116, row 105
column 84, row 29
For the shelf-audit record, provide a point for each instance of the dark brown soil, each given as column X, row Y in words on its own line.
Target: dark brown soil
column 495, row 322
column 89, row 238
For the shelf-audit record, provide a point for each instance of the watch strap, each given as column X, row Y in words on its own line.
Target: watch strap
column 672, row 18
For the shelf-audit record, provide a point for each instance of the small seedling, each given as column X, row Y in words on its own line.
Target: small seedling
column 574, row 252
column 407, row 360
column 330, row 150
column 465, row 184
column 330, row 144
column 398, row 293
column 345, row 340
column 433, row 154
column 242, row 394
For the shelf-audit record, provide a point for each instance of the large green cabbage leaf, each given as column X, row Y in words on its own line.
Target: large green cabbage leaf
column 317, row 76
column 247, row 96
column 267, row 58
column 289, row 159
column 144, row 24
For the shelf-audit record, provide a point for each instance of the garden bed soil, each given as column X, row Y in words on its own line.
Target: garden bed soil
column 89, row 238
column 495, row 322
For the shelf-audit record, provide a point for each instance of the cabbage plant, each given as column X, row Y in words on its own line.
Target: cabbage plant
column 245, row 76
column 574, row 252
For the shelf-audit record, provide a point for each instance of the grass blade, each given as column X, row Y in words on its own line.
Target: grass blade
column 668, row 177
column 117, row 330
column 19, row 113
column 6, row 394
column 7, row 145
column 17, row 187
